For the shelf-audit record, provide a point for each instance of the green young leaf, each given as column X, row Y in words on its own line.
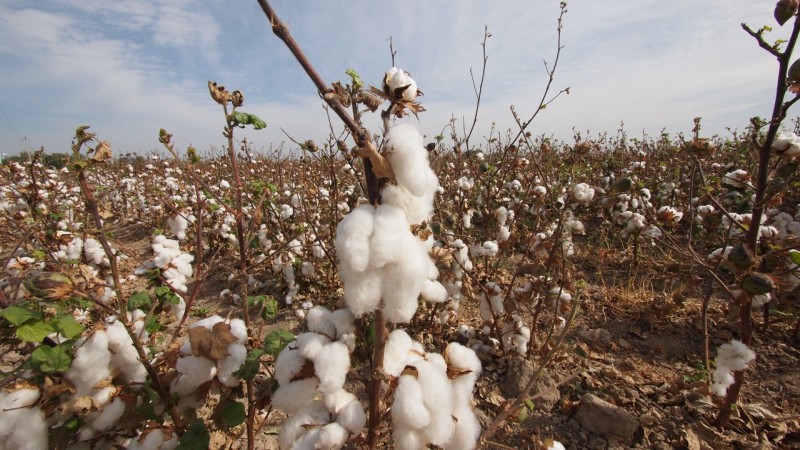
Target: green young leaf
column 251, row 365
column 529, row 404
column 231, row 415
column 357, row 82
column 68, row 327
column 243, row 118
column 52, row 359
column 255, row 299
column 270, row 309
column 794, row 255
column 139, row 300
column 34, row 331
column 276, row 341
column 195, row 438
column 18, row 315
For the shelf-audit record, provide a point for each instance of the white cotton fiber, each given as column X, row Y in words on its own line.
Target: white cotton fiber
column 288, row 364
column 292, row 396
column 408, row 408
column 91, row 364
column 352, row 417
column 293, row 430
column 344, row 322
column 438, row 399
column 194, row 370
column 238, row 330
column 416, row 209
column 318, row 320
column 407, row 438
column 22, row 424
column 237, row 353
column 467, row 429
column 332, row 437
column 390, row 237
column 352, row 238
column 310, row 344
column 396, row 351
column 406, row 153
column 362, row 290
column 124, row 357
column 331, row 366
column 731, row 357
column 109, row 415
column 433, row 291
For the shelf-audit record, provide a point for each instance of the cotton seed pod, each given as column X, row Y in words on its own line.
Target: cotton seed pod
column 237, row 98
column 702, row 147
column 756, row 283
column 49, row 285
column 784, row 10
column 218, row 93
column 741, row 256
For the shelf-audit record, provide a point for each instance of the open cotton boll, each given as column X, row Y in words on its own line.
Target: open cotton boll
column 438, row 399
column 291, row 397
column 556, row 446
column 124, row 357
column 105, row 419
column 194, row 370
column 732, row 356
column 154, row 439
column 405, row 150
column 91, row 364
column 343, row 321
column 319, row 320
column 288, row 364
column 390, row 237
column 407, row 438
column 433, row 291
column 466, row 431
column 331, row 437
column 409, row 407
column 22, row 424
column 395, row 352
column 237, row 353
column 294, row 429
column 362, row 290
column 331, row 366
column 352, row 417
column 310, row 344
column 416, row 208
column 352, row 238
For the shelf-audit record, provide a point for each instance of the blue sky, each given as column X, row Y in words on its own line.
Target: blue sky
column 131, row 67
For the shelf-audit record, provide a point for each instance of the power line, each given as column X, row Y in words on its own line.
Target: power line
column 9, row 122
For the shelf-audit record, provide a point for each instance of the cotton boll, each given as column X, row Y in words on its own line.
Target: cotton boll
column 556, row 446
column 288, row 364
column 91, row 364
column 731, row 357
column 467, row 429
column 433, row 291
column 318, row 320
column 352, row 238
column 194, row 370
column 331, row 366
column 22, row 425
column 409, row 408
column 109, row 415
column 292, row 396
column 352, row 417
column 310, row 344
column 438, row 398
column 362, row 290
column 409, row 159
column 239, row 329
column 294, row 429
column 397, row 347
column 343, row 321
column 416, row 208
column 407, row 438
column 390, row 237
column 237, row 353
column 331, row 437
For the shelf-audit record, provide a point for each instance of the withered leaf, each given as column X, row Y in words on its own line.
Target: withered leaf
column 212, row 344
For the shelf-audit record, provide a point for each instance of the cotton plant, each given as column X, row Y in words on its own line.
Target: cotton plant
column 311, row 373
column 215, row 349
column 430, row 407
column 381, row 262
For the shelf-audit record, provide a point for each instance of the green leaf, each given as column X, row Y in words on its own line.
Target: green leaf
column 794, row 255
column 52, row 359
column 270, row 309
column 68, row 327
column 18, row 315
column 232, row 414
column 195, row 438
column 276, row 341
column 139, row 300
column 529, row 404
column 243, row 118
column 251, row 365
column 255, row 299
column 357, row 82
column 35, row 331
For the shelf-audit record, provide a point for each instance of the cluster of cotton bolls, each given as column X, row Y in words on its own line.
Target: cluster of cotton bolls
column 108, row 354
column 380, row 259
column 731, row 357
column 22, row 424
column 453, row 280
column 583, row 193
column 311, row 373
column 179, row 223
column 215, row 348
column 503, row 215
column 515, row 335
column 429, row 407
column 175, row 265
